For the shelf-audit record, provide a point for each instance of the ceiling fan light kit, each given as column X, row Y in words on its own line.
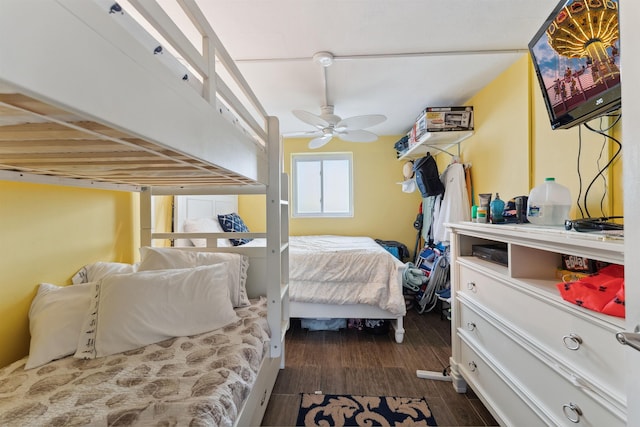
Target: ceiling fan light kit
column 328, row 124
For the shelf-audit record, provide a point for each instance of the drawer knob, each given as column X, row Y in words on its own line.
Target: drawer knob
column 572, row 341
column 471, row 326
column 471, row 286
column 472, row 366
column 572, row 412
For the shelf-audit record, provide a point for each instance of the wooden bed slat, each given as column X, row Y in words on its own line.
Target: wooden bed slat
column 63, row 146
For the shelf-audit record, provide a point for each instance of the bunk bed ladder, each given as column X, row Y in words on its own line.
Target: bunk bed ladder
column 277, row 242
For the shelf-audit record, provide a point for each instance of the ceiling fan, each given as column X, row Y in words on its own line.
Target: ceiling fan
column 328, row 125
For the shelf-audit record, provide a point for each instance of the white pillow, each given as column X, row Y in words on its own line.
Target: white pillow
column 97, row 270
column 205, row 225
column 167, row 258
column 129, row 311
column 55, row 319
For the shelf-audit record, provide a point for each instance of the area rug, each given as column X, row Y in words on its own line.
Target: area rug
column 347, row 410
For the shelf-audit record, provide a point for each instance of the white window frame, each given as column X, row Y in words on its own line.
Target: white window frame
column 319, row 157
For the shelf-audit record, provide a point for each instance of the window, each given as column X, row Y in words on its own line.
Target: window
column 322, row 185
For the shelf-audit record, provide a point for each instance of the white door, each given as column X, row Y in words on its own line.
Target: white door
column 630, row 70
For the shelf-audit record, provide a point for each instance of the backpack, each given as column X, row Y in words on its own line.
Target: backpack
column 427, row 176
column 397, row 249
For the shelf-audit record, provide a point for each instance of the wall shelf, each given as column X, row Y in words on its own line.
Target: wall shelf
column 440, row 141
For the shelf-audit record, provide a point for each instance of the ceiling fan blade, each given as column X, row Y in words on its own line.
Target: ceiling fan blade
column 320, row 141
column 303, row 134
column 361, row 122
column 311, row 119
column 357, row 136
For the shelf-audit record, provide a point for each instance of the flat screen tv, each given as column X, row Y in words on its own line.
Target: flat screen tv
column 576, row 56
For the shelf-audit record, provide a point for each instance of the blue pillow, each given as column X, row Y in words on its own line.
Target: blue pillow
column 233, row 223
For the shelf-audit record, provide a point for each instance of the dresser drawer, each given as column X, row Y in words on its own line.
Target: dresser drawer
column 505, row 404
column 587, row 345
column 551, row 392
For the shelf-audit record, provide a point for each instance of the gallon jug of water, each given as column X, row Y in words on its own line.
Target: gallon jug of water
column 549, row 203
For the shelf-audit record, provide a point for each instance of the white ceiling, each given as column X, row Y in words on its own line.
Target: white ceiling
column 392, row 57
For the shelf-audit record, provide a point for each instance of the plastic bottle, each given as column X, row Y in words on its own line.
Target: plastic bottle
column 549, row 203
column 497, row 207
column 482, row 215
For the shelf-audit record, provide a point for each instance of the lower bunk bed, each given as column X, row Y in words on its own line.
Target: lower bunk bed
column 119, row 111
column 116, row 348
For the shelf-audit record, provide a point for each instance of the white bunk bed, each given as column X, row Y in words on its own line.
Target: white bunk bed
column 89, row 98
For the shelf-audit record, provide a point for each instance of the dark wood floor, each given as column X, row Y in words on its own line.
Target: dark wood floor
column 355, row 362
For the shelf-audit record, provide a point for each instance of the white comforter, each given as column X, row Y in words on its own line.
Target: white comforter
column 345, row 270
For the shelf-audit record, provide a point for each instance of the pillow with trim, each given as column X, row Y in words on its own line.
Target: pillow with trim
column 169, row 258
column 129, row 311
column 97, row 270
column 233, row 223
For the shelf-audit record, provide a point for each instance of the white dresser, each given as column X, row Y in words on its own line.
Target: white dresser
column 533, row 358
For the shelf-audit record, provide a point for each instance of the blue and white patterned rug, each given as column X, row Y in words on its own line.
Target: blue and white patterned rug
column 348, row 410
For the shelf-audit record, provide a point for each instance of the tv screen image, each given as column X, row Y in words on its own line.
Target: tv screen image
column 576, row 56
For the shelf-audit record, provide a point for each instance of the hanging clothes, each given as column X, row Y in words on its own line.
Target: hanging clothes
column 454, row 205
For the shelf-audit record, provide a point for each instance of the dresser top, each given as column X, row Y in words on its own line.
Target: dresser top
column 597, row 245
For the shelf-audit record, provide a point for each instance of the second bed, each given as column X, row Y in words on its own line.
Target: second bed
column 330, row 276
column 345, row 277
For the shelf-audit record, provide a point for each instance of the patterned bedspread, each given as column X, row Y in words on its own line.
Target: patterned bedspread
column 200, row 381
column 345, row 270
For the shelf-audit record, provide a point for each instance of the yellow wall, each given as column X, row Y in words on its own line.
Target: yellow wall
column 162, row 218
column 48, row 233
column 498, row 151
column 616, row 176
column 556, row 154
column 513, row 148
column 381, row 209
column 251, row 209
